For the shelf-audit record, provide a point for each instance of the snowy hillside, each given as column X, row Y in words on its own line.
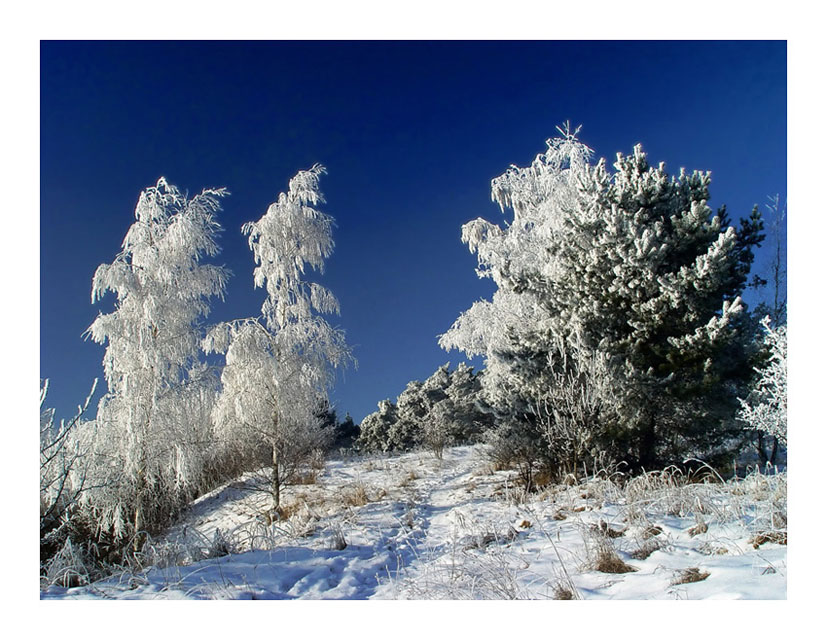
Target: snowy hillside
column 414, row 527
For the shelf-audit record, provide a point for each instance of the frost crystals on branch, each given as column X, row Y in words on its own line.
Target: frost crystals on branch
column 279, row 366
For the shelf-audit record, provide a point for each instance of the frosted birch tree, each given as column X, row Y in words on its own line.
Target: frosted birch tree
column 150, row 443
column 280, row 365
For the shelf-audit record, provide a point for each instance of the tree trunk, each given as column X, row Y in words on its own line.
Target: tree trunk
column 138, row 520
column 647, row 444
column 762, row 453
column 276, row 482
column 764, row 457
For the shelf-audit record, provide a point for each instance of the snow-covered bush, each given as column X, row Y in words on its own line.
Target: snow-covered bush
column 64, row 465
column 630, row 265
column 765, row 409
column 69, row 566
column 279, row 366
column 574, row 410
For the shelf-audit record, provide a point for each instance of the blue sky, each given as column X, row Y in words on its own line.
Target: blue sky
column 411, row 133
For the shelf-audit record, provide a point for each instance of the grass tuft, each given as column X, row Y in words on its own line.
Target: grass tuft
column 356, row 496
column 692, row 574
column 778, row 537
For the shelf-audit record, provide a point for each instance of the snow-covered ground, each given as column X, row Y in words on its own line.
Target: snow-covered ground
column 413, row 527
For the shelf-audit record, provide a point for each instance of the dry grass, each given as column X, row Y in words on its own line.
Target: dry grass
column 356, row 496
column 337, row 540
column 408, row 478
column 284, row 512
column 306, row 477
column 604, row 529
column 603, row 557
column 409, row 516
column 778, row 537
column 562, row 591
column 687, row 576
column 542, row 479
column 648, row 538
column 483, row 470
column 651, row 531
column 610, row 562
column 710, row 549
column 646, row 549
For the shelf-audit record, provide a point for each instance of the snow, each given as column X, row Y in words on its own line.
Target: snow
column 419, row 528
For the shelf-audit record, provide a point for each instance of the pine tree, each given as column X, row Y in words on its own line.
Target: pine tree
column 630, row 266
column 375, row 428
column 347, row 432
column 442, row 411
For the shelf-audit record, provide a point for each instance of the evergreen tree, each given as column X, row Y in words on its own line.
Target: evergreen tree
column 444, row 409
column 374, row 430
column 347, row 433
column 630, row 266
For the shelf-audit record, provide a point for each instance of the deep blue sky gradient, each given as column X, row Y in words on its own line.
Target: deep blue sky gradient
column 411, row 133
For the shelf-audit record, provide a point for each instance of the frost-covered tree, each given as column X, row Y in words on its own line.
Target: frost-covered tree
column 409, row 422
column 151, row 438
column 436, row 427
column 412, row 407
column 765, row 409
column 576, row 408
column 462, row 388
column 280, row 366
column 630, row 265
column 374, row 430
column 396, row 426
column 774, row 298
